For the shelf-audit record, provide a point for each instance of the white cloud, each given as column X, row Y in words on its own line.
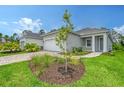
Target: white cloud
column 14, row 22
column 28, row 24
column 17, row 31
column 119, row 29
column 3, row 23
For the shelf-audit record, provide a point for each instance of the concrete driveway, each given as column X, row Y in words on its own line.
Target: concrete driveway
column 27, row 56
column 22, row 57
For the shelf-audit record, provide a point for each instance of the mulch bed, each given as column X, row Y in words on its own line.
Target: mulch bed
column 55, row 73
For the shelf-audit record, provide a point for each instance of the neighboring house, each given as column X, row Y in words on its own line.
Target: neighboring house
column 2, row 40
column 90, row 39
column 30, row 37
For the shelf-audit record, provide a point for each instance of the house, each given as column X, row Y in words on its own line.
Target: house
column 90, row 39
column 30, row 37
column 2, row 40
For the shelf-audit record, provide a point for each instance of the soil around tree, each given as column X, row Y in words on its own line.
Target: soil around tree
column 55, row 73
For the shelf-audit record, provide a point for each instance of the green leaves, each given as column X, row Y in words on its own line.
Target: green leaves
column 11, row 46
column 31, row 47
column 63, row 32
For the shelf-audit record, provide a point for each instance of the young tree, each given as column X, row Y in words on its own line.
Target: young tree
column 62, row 35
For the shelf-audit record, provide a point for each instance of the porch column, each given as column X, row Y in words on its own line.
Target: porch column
column 105, row 43
column 93, row 43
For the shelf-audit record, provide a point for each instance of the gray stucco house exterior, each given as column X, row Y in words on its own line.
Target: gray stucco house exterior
column 90, row 39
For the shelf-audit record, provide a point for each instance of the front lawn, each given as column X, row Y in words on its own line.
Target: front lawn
column 11, row 53
column 105, row 70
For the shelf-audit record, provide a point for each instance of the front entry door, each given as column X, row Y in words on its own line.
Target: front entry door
column 100, row 44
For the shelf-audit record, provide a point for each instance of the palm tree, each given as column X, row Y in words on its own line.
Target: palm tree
column 42, row 32
column 6, row 37
column 1, row 35
column 14, row 37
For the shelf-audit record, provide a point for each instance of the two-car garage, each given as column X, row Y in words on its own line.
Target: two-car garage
column 50, row 43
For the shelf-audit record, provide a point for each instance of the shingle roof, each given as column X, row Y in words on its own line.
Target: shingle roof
column 86, row 31
column 30, row 34
column 55, row 31
column 91, row 31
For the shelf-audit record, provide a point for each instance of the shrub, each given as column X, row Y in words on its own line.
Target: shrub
column 59, row 60
column 75, row 61
column 47, row 60
column 36, row 60
column 41, row 63
column 79, row 51
column 1, row 47
column 108, row 54
column 44, row 60
column 31, row 47
column 11, row 47
column 75, row 49
column 122, row 42
column 117, row 46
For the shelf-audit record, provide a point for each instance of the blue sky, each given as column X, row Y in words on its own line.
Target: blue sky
column 14, row 18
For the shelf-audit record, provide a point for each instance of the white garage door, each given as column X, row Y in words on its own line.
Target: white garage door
column 50, row 45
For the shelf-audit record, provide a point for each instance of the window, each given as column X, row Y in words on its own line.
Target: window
column 88, row 43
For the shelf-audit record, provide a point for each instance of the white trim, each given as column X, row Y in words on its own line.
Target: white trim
column 83, row 36
column 93, row 43
column 105, row 43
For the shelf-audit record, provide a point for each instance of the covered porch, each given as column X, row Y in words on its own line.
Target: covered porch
column 94, row 43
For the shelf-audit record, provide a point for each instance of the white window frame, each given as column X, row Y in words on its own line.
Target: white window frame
column 86, row 43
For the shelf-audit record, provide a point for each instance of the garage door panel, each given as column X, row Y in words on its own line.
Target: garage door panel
column 50, row 45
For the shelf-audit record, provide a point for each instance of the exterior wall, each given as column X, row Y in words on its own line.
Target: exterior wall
column 38, row 42
column 109, row 44
column 27, row 40
column 73, row 41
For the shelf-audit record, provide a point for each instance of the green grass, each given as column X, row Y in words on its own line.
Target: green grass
column 8, row 53
column 104, row 70
column 12, row 53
